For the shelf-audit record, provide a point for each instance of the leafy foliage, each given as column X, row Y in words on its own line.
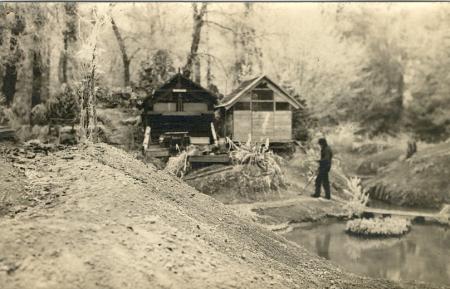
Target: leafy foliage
column 379, row 227
column 359, row 198
column 63, row 105
column 376, row 65
column 155, row 71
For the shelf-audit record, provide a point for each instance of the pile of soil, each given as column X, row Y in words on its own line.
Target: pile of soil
column 240, row 183
column 115, row 222
column 420, row 181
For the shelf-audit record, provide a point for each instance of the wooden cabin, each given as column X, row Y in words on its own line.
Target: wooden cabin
column 260, row 108
column 180, row 106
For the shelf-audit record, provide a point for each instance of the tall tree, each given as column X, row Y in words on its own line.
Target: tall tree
column 69, row 38
column 126, row 60
column 247, row 51
column 193, row 59
column 15, row 55
column 382, row 87
column 39, row 68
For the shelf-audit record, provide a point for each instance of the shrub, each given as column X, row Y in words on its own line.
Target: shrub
column 378, row 227
column 344, row 135
column 63, row 105
column 39, row 115
column 359, row 198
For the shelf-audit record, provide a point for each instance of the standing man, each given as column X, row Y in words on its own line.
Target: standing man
column 326, row 156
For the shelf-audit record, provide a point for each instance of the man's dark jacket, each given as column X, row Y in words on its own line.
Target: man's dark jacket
column 326, row 155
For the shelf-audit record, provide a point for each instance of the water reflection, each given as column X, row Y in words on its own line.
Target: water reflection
column 423, row 254
column 323, row 245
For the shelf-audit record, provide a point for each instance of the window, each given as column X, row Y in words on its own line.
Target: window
column 282, row 106
column 242, row 106
column 262, row 106
column 195, row 107
column 165, row 106
column 262, row 94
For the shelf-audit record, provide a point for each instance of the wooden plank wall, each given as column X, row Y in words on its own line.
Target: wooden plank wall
column 242, row 125
column 275, row 125
column 283, row 125
column 263, row 125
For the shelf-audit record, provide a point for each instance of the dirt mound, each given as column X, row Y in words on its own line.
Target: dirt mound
column 240, row 183
column 116, row 222
column 421, row 181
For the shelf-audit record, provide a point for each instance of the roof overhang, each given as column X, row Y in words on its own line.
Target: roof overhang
column 227, row 105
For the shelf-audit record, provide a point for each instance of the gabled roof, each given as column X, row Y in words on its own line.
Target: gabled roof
column 181, row 81
column 247, row 85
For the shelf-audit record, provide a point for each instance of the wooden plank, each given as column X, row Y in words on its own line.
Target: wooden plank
column 181, row 113
column 199, row 140
column 146, row 138
column 162, row 152
column 206, row 173
column 400, row 213
column 6, row 133
column 209, row 159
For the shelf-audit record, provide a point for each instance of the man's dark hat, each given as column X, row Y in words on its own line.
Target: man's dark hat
column 323, row 141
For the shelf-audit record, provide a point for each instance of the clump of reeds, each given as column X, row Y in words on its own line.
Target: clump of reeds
column 177, row 165
column 260, row 167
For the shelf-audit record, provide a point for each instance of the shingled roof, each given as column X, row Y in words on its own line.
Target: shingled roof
column 247, row 85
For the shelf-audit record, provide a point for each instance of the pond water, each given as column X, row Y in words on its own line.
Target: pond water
column 423, row 254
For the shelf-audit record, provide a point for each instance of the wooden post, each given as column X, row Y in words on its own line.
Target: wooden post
column 146, row 138
column 213, row 131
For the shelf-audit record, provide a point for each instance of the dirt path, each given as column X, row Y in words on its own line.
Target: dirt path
column 282, row 214
column 114, row 222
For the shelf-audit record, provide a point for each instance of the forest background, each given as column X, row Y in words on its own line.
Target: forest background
column 382, row 67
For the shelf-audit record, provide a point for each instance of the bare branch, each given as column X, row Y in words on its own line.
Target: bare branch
column 220, row 26
column 134, row 54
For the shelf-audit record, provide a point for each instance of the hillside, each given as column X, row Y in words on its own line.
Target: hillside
column 421, row 181
column 105, row 220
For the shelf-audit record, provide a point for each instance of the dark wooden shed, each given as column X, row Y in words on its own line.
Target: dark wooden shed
column 180, row 105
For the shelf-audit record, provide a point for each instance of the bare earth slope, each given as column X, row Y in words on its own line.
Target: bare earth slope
column 118, row 223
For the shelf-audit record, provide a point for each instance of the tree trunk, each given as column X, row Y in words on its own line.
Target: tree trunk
column 45, row 90
column 38, row 66
column 197, row 71
column 196, row 35
column 125, row 59
column 36, row 90
column 15, row 54
column 69, row 38
column 64, row 61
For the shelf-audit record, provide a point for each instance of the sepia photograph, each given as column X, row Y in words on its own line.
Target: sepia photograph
column 197, row 145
